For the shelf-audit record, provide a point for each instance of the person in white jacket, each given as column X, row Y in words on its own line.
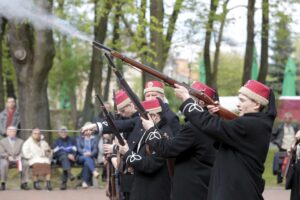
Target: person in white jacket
column 39, row 154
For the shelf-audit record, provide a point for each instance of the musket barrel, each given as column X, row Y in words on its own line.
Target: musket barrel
column 224, row 113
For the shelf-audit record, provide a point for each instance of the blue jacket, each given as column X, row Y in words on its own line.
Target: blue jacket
column 80, row 146
column 64, row 145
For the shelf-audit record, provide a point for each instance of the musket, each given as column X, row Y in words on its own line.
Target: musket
column 223, row 112
column 111, row 122
column 135, row 100
column 110, row 175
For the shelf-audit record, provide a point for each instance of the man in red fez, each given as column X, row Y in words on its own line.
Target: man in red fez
column 194, row 153
column 244, row 141
column 155, row 89
column 151, row 176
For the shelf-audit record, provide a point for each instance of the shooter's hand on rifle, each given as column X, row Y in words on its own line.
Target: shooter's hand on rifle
column 212, row 109
column 108, row 148
column 123, row 149
column 147, row 124
column 181, row 92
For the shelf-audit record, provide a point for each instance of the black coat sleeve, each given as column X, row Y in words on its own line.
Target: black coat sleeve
column 171, row 147
column 146, row 164
column 122, row 125
column 227, row 131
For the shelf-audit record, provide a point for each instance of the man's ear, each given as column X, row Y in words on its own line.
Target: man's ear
column 257, row 106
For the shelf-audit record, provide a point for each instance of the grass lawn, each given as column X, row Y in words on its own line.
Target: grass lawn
column 271, row 180
column 14, row 180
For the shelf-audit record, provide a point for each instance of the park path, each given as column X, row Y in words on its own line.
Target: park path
column 99, row 194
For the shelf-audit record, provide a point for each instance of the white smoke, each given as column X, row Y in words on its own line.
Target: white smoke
column 27, row 10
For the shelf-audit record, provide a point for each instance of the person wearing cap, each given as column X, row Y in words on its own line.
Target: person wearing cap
column 155, row 89
column 151, row 176
column 64, row 149
column 133, row 130
column 126, row 124
column 194, row 153
column 244, row 141
column 11, row 154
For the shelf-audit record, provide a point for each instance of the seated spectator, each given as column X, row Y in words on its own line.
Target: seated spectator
column 10, row 154
column 283, row 137
column 64, row 149
column 87, row 151
column 39, row 154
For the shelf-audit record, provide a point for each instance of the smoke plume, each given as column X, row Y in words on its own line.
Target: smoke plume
column 27, row 11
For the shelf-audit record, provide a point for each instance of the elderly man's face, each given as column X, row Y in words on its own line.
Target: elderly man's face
column 36, row 134
column 63, row 133
column 11, row 131
column 288, row 118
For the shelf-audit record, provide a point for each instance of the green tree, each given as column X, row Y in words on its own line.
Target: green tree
column 2, row 31
column 153, row 49
column 71, row 62
column 206, row 51
column 230, row 73
column 102, row 10
column 249, row 42
column 264, row 55
column 282, row 48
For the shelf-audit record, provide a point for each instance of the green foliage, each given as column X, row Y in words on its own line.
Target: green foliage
column 268, row 173
column 69, row 70
column 230, row 73
column 71, row 63
column 173, row 101
column 8, row 70
column 297, row 60
column 282, row 48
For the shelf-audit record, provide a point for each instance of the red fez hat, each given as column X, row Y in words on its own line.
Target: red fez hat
column 122, row 99
column 154, row 86
column 202, row 87
column 256, row 91
column 152, row 106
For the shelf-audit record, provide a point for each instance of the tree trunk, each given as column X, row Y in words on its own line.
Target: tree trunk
column 250, row 41
column 95, row 76
column 115, row 41
column 218, row 45
column 2, row 32
column 10, row 89
column 209, row 29
column 73, row 103
column 264, row 65
column 143, row 54
column 32, row 54
column 156, row 33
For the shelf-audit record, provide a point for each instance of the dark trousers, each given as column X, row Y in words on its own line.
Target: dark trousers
column 88, row 167
column 66, row 164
